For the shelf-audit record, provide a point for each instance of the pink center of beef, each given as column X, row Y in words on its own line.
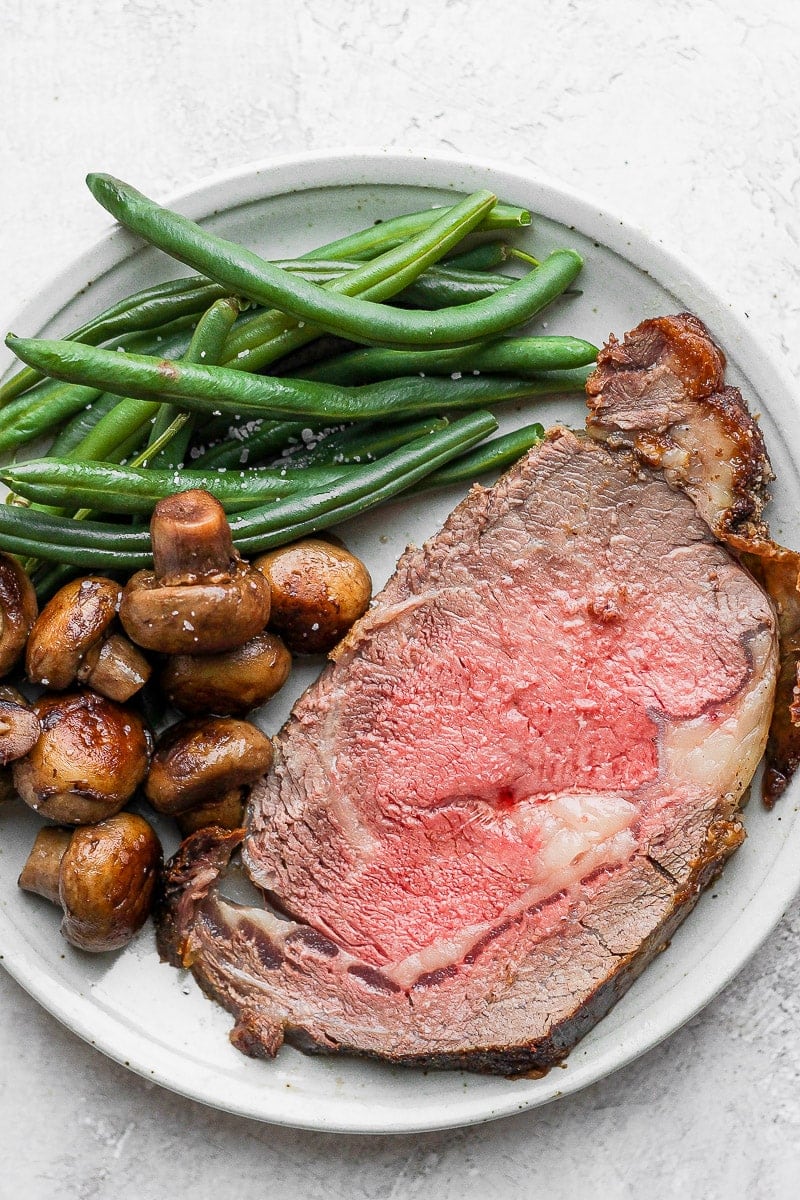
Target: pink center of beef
column 502, row 732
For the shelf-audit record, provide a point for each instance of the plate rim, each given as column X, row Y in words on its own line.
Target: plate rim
column 364, row 166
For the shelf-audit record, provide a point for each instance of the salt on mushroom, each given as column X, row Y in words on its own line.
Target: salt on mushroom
column 73, row 640
column 201, row 598
column 89, row 759
column 234, row 682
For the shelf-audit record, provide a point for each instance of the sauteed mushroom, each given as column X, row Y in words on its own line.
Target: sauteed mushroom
column 103, row 876
column 228, row 812
column 204, row 758
column 201, row 598
column 90, row 758
column 72, row 639
column 227, row 683
column 18, row 609
column 19, row 725
column 318, row 589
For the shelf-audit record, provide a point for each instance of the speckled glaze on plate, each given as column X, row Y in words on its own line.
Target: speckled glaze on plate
column 153, row 1018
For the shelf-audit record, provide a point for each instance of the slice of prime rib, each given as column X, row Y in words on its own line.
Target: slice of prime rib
column 506, row 791
column 661, row 395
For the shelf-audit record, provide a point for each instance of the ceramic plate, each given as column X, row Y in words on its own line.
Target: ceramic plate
column 153, row 1018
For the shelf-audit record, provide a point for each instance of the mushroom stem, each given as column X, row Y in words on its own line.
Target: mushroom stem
column 115, row 668
column 41, row 871
column 191, row 538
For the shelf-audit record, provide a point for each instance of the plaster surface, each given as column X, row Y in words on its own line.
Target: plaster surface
column 680, row 114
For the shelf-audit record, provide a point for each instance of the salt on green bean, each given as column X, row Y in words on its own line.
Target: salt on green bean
column 522, row 356
column 212, row 389
column 360, row 443
column 133, row 414
column 109, row 546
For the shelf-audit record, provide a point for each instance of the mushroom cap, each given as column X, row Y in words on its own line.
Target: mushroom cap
column 69, row 625
column 197, row 760
column 233, row 682
column 209, row 617
column 317, row 591
column 107, row 881
column 227, row 810
column 19, row 726
column 89, row 759
column 18, row 609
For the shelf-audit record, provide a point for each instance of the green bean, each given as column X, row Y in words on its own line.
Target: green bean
column 40, row 411
column 145, row 311
column 494, row 455
column 436, row 287
column 48, row 579
column 361, row 443
column 270, row 335
column 133, row 414
column 479, row 258
column 82, row 423
column 364, row 320
column 171, row 426
column 249, row 445
column 218, row 389
column 367, row 243
column 385, row 235
column 522, row 356
column 135, row 490
column 32, row 415
column 439, row 288
column 97, row 544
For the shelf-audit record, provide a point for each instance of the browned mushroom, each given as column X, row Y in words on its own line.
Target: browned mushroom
column 103, row 876
column 73, row 639
column 201, row 598
column 19, row 725
column 318, row 590
column 18, row 609
column 89, row 759
column 200, row 759
column 228, row 812
column 228, row 683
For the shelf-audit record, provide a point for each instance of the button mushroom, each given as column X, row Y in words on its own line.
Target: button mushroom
column 201, row 598
column 318, row 589
column 204, row 758
column 228, row 683
column 88, row 761
column 228, row 812
column 73, row 639
column 103, row 877
column 18, row 609
column 19, row 726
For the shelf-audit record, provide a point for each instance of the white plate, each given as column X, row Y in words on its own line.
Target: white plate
column 153, row 1018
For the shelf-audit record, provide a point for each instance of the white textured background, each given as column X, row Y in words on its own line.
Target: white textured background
column 680, row 114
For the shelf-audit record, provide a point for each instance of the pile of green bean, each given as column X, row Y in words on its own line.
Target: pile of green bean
column 299, row 392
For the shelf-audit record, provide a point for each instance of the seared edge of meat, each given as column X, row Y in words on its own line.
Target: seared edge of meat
column 633, row 916
column 660, row 393
column 778, row 572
